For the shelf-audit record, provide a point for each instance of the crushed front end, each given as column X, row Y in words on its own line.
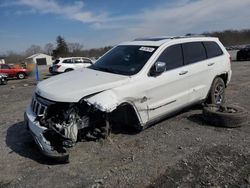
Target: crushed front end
column 57, row 126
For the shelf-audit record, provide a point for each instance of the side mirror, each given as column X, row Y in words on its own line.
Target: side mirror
column 158, row 68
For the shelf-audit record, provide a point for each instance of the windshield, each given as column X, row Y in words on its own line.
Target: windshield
column 125, row 60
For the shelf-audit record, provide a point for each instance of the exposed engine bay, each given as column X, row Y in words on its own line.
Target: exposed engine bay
column 58, row 126
column 68, row 123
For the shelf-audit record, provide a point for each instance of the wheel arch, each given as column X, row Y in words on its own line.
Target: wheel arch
column 108, row 102
column 129, row 114
column 224, row 77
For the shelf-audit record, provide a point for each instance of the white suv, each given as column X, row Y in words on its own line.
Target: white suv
column 70, row 63
column 135, row 83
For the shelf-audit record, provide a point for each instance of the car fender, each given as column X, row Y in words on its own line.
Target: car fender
column 107, row 101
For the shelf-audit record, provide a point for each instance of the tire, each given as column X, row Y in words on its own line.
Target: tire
column 217, row 92
column 4, row 82
column 20, row 75
column 51, row 70
column 230, row 116
column 67, row 70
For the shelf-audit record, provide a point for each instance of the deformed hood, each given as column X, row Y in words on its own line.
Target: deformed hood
column 74, row 85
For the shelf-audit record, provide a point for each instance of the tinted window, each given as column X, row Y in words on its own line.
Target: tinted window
column 172, row 56
column 193, row 52
column 87, row 61
column 5, row 67
column 67, row 61
column 56, row 61
column 212, row 49
column 78, row 60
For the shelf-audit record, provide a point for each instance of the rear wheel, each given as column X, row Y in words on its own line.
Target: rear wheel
column 21, row 75
column 217, row 92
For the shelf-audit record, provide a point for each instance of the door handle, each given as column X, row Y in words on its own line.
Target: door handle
column 210, row 64
column 183, row 72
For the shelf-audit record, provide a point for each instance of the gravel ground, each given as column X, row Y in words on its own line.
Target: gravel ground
column 181, row 151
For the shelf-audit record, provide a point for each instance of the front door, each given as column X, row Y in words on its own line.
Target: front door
column 170, row 90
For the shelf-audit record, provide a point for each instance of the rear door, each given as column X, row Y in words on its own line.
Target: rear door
column 195, row 60
column 215, row 59
column 78, row 63
column 87, row 62
column 168, row 91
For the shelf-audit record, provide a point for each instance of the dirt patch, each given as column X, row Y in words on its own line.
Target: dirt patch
column 220, row 166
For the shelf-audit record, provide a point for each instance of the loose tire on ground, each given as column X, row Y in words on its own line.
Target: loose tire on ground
column 230, row 116
column 217, row 92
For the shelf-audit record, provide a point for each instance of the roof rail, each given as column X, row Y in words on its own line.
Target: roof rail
column 154, row 38
column 168, row 37
column 195, row 35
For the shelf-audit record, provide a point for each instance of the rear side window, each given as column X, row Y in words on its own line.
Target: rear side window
column 213, row 49
column 172, row 56
column 193, row 52
column 78, row 60
column 67, row 61
column 87, row 61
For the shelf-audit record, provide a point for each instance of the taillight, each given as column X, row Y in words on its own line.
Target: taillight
column 57, row 66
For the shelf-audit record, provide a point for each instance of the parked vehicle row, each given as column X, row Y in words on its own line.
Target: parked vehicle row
column 243, row 54
column 69, row 63
column 136, row 83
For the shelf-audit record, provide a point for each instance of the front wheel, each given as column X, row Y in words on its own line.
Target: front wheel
column 20, row 75
column 217, row 92
column 4, row 81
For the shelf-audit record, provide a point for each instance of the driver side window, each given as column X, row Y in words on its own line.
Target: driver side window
column 172, row 56
column 3, row 66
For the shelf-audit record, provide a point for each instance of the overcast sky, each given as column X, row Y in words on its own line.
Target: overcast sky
column 97, row 23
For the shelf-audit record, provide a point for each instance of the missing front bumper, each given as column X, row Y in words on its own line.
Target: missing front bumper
column 43, row 144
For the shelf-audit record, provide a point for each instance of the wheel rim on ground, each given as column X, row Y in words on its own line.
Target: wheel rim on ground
column 219, row 93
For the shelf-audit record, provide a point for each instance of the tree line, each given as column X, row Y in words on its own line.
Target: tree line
column 64, row 49
column 231, row 37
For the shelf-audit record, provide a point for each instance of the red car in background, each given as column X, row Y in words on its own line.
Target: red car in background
column 19, row 73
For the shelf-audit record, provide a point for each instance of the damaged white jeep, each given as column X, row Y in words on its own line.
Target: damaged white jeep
column 136, row 83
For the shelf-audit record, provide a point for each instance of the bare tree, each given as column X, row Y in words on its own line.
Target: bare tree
column 14, row 58
column 48, row 48
column 33, row 49
column 75, row 48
